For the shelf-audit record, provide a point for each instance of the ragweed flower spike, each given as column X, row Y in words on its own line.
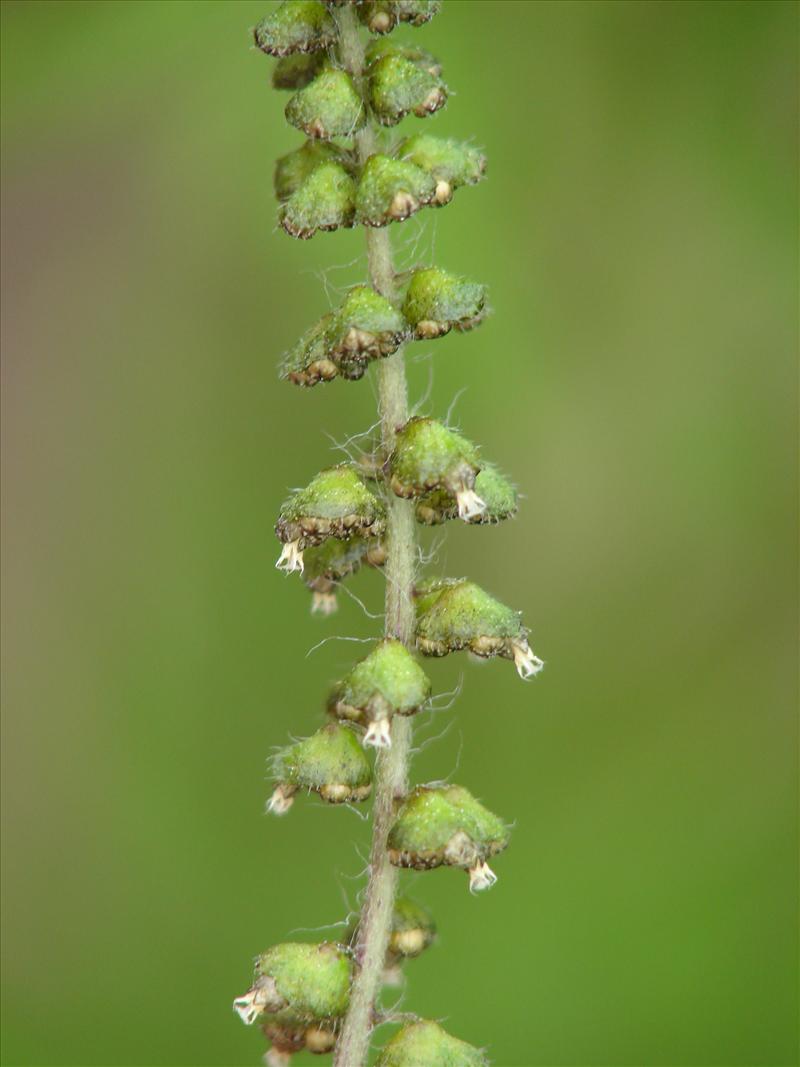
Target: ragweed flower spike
column 388, row 682
column 455, row 614
column 346, row 170
column 337, row 503
column 330, row 762
column 426, row 1044
column 446, row 825
column 428, row 456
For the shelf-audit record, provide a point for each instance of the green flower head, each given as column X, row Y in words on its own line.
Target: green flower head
column 428, row 456
column 446, row 825
column 391, row 191
column 324, row 201
column 426, row 1044
column 388, row 682
column 308, row 982
column 455, row 614
column 330, row 762
column 336, row 503
column 296, row 26
column 398, row 86
column 498, row 495
column 327, row 107
column 437, row 302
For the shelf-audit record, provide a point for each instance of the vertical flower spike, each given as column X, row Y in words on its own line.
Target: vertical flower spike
column 437, row 302
column 426, row 1044
column 446, row 825
column 310, row 983
column 398, row 86
column 391, row 191
column 328, row 107
column 428, row 456
column 450, row 163
column 381, row 16
column 388, row 682
column 494, row 489
column 330, row 762
column 326, row 998
column 296, row 26
column 366, row 327
column 325, row 201
column 455, row 614
column 337, row 503
column 327, row 565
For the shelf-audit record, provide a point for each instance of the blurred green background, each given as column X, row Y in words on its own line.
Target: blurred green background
column 637, row 379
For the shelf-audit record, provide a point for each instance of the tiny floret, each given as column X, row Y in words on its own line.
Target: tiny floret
column 481, row 876
column 280, row 801
column 528, row 665
column 291, row 558
column 378, row 734
column 262, row 996
column 470, row 505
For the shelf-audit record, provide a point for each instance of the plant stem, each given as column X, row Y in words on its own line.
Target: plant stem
column 391, row 771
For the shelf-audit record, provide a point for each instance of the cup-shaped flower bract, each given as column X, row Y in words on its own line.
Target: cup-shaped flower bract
column 296, row 26
column 381, row 16
column 495, row 490
column 428, row 456
column 455, row 614
column 337, row 503
column 325, row 201
column 331, row 762
column 327, row 565
column 309, row 983
column 388, row 682
column 365, row 327
column 390, row 190
column 426, row 1044
column 446, row 825
column 399, row 86
column 297, row 70
column 451, row 163
column 296, row 167
column 327, row 107
column 437, row 302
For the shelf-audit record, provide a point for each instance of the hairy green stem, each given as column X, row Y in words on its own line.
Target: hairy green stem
column 391, row 772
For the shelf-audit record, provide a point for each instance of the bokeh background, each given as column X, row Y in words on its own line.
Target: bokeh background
column 637, row 379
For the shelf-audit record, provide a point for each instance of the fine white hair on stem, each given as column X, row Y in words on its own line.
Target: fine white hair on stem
column 432, row 740
column 339, row 637
column 369, row 614
column 317, row 929
column 459, row 393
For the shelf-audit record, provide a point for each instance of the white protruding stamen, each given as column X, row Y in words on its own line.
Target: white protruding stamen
column 525, row 661
column 378, row 734
column 324, row 604
column 481, row 876
column 280, row 802
column 291, row 558
column 262, row 997
column 470, row 505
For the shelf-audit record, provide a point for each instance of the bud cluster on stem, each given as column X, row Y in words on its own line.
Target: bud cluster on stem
column 347, row 91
